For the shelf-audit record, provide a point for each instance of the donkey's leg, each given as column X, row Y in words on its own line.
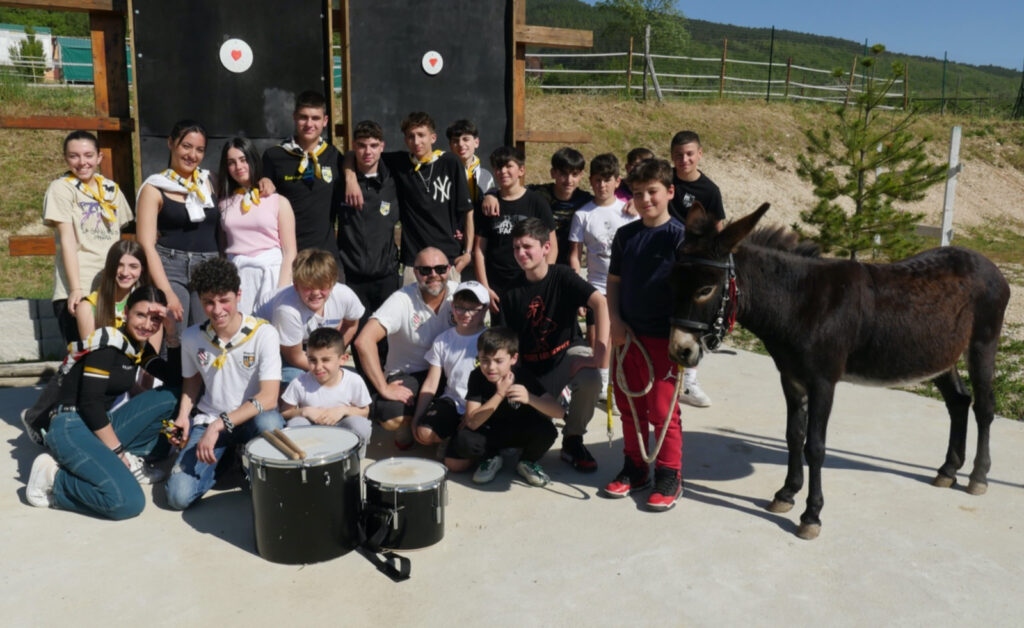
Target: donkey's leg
column 981, row 363
column 819, row 406
column 958, row 402
column 796, row 432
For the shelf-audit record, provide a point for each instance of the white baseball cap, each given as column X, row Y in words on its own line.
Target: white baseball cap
column 478, row 290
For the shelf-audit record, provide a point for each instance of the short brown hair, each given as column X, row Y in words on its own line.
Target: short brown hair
column 652, row 170
column 495, row 339
column 418, row 118
column 326, row 338
column 368, row 129
column 314, row 267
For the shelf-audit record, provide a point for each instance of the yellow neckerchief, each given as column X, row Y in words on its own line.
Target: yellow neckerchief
column 249, row 326
column 250, row 197
column 99, row 339
column 292, row 147
column 192, row 185
column 105, row 194
column 471, row 171
column 429, row 159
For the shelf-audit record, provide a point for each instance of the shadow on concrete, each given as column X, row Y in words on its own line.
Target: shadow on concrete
column 227, row 516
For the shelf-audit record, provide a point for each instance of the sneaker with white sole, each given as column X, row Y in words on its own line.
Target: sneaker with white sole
column 694, row 396
column 144, row 473
column 532, row 473
column 488, row 468
column 39, row 491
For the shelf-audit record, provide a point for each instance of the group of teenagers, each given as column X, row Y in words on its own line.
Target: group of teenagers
column 236, row 307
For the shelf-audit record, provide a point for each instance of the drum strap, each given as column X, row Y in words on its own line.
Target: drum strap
column 396, row 567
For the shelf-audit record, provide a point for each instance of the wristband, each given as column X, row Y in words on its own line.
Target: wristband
column 256, row 402
column 118, row 450
column 228, row 425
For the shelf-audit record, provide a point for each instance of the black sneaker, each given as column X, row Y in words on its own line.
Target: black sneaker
column 630, row 480
column 668, row 486
column 576, row 454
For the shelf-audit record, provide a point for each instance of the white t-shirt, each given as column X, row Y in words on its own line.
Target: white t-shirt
column 595, row 226
column 412, row 326
column 294, row 321
column 226, row 388
column 305, row 392
column 456, row 355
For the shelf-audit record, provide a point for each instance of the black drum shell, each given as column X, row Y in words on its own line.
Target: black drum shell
column 309, row 521
column 417, row 514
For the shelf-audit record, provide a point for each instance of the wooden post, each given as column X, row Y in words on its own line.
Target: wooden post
column 629, row 69
column 110, row 94
column 789, row 70
column 647, row 56
column 518, row 76
column 721, row 77
column 849, row 85
column 954, row 170
column 341, row 22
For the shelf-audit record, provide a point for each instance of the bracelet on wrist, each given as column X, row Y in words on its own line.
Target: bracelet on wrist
column 119, row 449
column 228, row 425
column 256, row 402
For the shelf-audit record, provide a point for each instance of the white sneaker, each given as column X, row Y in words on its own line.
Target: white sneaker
column 487, row 470
column 39, row 491
column 532, row 473
column 144, row 473
column 694, row 396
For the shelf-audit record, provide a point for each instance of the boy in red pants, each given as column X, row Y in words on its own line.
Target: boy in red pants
column 643, row 253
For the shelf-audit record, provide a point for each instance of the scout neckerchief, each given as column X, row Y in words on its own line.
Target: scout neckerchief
column 196, row 189
column 99, row 339
column 292, row 147
column 472, row 170
column 249, row 326
column 429, row 159
column 250, row 197
column 105, row 194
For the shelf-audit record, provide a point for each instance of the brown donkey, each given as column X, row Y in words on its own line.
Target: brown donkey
column 830, row 320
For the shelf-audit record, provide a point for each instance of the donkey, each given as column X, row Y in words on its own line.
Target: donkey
column 830, row 320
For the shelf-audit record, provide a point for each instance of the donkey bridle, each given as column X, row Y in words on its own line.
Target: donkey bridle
column 728, row 304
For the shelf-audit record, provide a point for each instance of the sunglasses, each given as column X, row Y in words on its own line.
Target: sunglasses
column 440, row 269
column 467, row 310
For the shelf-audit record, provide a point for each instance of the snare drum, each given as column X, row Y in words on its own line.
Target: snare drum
column 408, row 496
column 305, row 511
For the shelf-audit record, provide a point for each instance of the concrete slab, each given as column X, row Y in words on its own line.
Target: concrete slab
column 893, row 549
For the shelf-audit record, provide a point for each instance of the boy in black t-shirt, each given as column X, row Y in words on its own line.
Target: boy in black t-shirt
column 506, row 407
column 542, row 306
column 691, row 185
column 495, row 264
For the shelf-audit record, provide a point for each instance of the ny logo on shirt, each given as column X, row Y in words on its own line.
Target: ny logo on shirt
column 442, row 189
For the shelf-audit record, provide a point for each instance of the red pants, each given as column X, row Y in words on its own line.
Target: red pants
column 652, row 408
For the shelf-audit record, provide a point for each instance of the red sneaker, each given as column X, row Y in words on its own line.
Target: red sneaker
column 629, row 480
column 576, row 454
column 668, row 486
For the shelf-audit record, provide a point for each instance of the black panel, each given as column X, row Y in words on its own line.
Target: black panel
column 388, row 41
column 177, row 46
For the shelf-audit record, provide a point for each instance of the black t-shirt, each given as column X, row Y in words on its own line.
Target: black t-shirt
column 433, row 200
column 312, row 200
column 703, row 190
column 366, row 237
column 502, row 267
column 544, row 313
column 562, row 212
column 480, row 390
column 642, row 258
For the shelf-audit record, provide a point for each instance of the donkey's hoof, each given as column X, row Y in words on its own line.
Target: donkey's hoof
column 780, row 506
column 808, row 531
column 977, row 488
column 943, row 481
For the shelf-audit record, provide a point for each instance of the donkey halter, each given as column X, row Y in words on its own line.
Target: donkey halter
column 728, row 304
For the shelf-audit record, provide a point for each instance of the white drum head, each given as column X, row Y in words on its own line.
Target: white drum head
column 403, row 473
column 322, row 443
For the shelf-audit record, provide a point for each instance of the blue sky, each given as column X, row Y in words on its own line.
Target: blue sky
column 979, row 32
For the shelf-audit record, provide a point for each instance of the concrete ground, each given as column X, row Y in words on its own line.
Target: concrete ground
column 893, row 549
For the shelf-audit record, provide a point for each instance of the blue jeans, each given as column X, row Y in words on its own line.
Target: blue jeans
column 179, row 266
column 190, row 478
column 91, row 479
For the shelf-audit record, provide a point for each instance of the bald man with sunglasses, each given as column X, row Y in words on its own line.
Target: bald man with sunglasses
column 410, row 319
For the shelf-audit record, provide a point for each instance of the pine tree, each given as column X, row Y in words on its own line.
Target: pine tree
column 872, row 158
column 27, row 55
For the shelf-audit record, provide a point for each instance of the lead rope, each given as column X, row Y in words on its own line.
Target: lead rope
column 620, row 377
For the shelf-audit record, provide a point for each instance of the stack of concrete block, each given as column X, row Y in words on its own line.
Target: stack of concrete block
column 30, row 331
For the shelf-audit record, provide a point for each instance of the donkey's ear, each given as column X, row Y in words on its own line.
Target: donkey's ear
column 731, row 236
column 697, row 219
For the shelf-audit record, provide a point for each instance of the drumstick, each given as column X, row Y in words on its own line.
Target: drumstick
column 287, row 441
column 281, row 446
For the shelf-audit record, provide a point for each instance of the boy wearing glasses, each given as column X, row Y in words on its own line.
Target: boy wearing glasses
column 410, row 319
column 452, row 357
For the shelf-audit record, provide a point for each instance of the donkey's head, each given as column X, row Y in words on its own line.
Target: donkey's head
column 703, row 284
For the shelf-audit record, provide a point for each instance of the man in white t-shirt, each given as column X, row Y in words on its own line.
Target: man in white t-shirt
column 235, row 361
column 594, row 227
column 314, row 300
column 452, row 357
column 410, row 319
column 328, row 394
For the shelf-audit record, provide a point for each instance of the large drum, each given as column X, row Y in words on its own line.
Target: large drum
column 305, row 511
column 405, row 500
